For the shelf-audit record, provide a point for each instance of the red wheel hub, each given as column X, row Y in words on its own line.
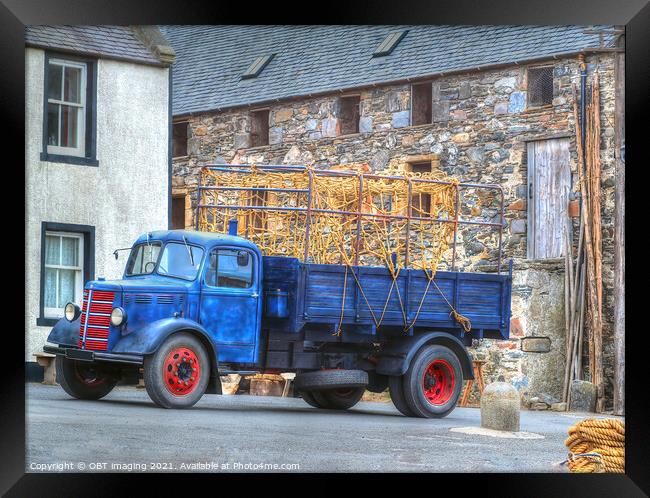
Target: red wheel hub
column 438, row 382
column 181, row 371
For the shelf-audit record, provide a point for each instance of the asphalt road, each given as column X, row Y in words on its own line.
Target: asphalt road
column 126, row 432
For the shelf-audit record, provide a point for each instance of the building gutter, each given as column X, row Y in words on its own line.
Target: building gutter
column 98, row 55
column 411, row 79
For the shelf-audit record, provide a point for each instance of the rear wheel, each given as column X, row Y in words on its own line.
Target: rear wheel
column 338, row 399
column 396, row 389
column 433, row 382
column 177, row 374
column 83, row 380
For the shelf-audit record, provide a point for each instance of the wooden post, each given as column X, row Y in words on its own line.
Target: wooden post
column 594, row 197
column 619, row 234
column 592, row 302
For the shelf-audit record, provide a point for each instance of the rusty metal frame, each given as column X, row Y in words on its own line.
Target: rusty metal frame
column 309, row 210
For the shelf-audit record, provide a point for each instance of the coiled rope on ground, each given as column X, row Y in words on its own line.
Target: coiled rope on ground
column 596, row 445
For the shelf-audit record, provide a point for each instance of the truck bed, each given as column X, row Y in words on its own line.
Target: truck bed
column 299, row 295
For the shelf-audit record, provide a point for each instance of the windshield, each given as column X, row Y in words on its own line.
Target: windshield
column 180, row 260
column 143, row 259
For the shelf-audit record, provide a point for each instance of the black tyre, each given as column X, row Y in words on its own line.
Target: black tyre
column 396, row 389
column 84, row 380
column 433, row 382
column 177, row 374
column 308, row 397
column 320, row 380
column 339, row 399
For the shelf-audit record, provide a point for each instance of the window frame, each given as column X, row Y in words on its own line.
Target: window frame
column 87, row 255
column 426, row 198
column 87, row 126
column 429, row 85
column 187, row 128
column 266, row 137
column 57, row 312
column 253, row 261
column 356, row 122
column 80, row 150
column 529, row 104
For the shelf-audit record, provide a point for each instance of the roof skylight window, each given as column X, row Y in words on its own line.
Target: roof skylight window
column 257, row 66
column 389, row 43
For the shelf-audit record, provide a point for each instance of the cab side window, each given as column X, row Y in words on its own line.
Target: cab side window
column 230, row 268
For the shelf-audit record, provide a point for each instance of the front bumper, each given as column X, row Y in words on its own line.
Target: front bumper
column 87, row 355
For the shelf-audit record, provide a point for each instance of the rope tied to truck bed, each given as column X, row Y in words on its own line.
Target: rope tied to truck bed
column 462, row 320
column 596, row 445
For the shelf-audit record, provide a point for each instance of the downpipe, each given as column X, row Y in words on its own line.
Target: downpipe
column 583, row 103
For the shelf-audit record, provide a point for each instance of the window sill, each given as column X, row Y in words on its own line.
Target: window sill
column 538, row 108
column 56, row 158
column 347, row 135
column 421, row 125
column 46, row 322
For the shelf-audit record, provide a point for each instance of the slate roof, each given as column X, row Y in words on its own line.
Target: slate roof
column 312, row 59
column 116, row 42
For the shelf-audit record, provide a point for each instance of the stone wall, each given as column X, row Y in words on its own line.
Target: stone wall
column 481, row 125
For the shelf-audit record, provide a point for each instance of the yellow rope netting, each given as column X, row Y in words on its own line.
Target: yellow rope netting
column 333, row 236
column 353, row 219
column 596, row 445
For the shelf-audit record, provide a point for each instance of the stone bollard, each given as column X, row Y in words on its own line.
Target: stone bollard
column 583, row 396
column 500, row 407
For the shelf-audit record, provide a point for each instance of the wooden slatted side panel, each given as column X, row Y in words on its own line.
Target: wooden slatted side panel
column 549, row 177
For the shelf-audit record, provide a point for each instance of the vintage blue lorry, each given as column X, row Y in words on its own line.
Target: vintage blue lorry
column 192, row 306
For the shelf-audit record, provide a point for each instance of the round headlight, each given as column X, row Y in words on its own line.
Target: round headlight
column 118, row 317
column 71, row 312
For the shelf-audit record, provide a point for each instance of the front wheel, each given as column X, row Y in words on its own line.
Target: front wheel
column 177, row 374
column 433, row 382
column 83, row 380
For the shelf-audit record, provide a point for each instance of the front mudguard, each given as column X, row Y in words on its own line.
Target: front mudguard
column 65, row 333
column 148, row 339
column 395, row 357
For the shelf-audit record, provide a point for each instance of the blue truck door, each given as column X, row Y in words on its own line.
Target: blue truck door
column 230, row 303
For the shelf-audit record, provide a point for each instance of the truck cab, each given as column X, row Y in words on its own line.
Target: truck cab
column 200, row 286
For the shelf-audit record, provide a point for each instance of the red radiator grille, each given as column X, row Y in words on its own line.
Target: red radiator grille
column 97, row 320
column 101, row 307
column 96, row 333
column 96, row 345
column 103, row 296
column 101, row 320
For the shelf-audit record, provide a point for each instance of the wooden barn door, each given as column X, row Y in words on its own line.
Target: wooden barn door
column 549, row 185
